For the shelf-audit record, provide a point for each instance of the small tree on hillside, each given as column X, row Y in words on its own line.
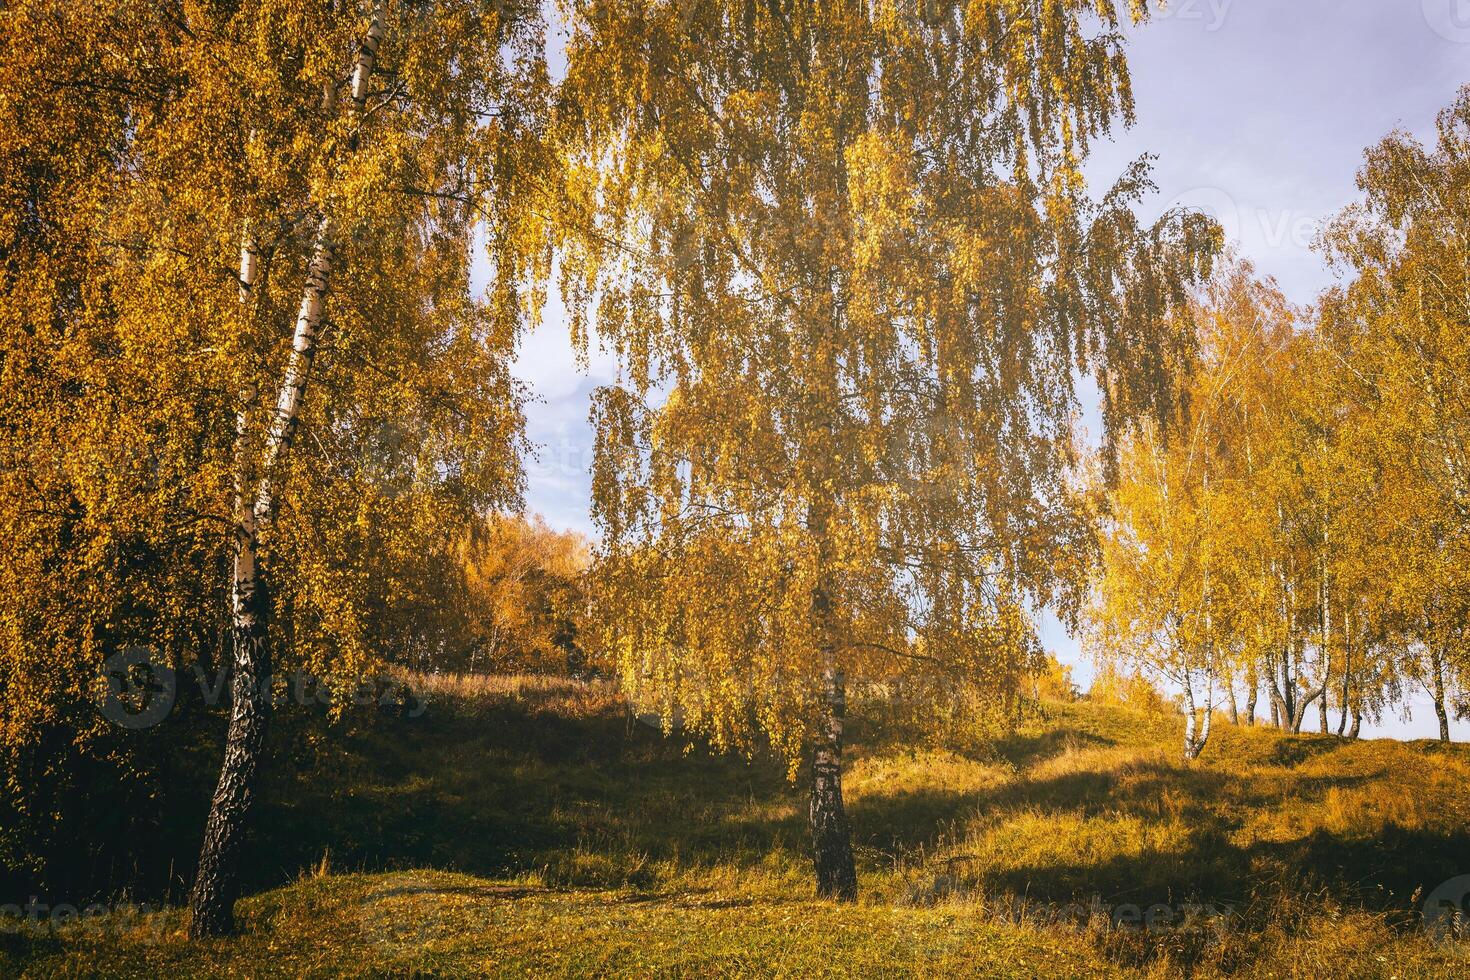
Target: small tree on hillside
column 524, row 596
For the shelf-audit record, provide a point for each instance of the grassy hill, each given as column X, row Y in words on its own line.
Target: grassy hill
column 532, row 825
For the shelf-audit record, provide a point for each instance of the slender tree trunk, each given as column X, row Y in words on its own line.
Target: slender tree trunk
column 1437, row 678
column 216, row 884
column 1357, row 724
column 1197, row 733
column 1189, row 723
column 287, row 415
column 1251, row 694
column 1303, row 705
column 832, row 858
column 1304, row 701
column 1234, row 707
column 1204, row 734
column 1287, row 693
column 1326, row 602
column 1280, row 693
column 831, row 836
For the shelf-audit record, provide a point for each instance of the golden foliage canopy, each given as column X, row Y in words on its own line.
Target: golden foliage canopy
column 140, row 144
column 847, row 257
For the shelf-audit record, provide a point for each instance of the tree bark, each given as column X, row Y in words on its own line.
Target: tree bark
column 1357, row 724
column 1296, row 717
column 1437, row 678
column 1304, row 704
column 1204, row 735
column 831, row 836
column 832, row 858
column 216, row 883
column 1325, row 597
column 1197, row 735
column 1280, row 693
column 1250, row 698
column 287, row 415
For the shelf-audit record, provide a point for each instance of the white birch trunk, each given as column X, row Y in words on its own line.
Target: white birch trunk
column 1204, row 735
column 1189, row 717
column 313, row 301
column 243, row 566
column 287, row 412
column 216, row 884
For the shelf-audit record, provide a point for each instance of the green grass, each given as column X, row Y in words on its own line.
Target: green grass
column 532, row 826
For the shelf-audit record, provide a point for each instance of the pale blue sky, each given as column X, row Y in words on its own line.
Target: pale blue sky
column 1258, row 111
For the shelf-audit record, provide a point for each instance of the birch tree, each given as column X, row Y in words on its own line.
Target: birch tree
column 1154, row 608
column 1401, row 323
column 272, row 359
column 1198, row 582
column 846, row 256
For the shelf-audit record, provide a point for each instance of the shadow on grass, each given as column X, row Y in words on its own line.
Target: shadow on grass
column 1197, row 811
column 508, row 786
column 517, row 787
column 1293, row 752
column 592, row 801
column 1028, row 749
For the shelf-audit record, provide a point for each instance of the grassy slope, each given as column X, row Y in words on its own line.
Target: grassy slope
column 567, row 838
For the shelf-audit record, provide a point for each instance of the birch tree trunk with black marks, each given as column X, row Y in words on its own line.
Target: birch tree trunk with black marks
column 836, row 871
column 1324, row 656
column 831, row 836
column 213, row 898
column 216, row 884
column 1196, row 728
column 1437, row 689
column 1252, row 691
